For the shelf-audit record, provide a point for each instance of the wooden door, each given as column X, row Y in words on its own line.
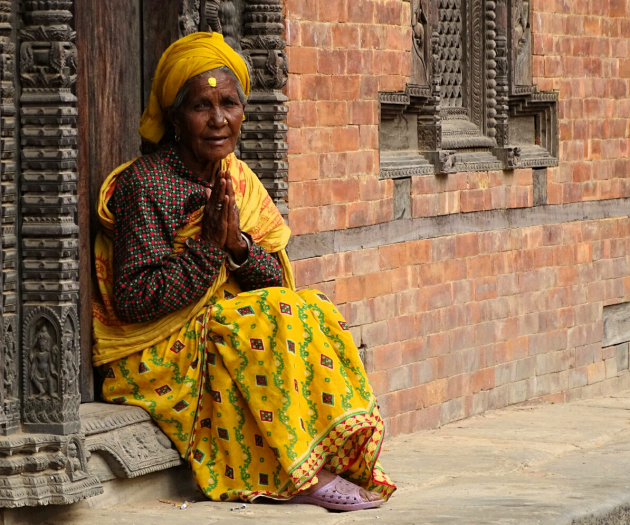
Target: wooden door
column 119, row 44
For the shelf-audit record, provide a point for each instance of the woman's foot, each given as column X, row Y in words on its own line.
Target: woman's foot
column 324, row 478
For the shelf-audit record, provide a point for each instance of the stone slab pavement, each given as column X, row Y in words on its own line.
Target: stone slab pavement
column 549, row 464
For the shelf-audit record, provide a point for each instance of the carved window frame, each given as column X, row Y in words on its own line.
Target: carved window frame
column 501, row 121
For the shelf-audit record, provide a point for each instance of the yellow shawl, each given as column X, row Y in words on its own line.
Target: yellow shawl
column 115, row 339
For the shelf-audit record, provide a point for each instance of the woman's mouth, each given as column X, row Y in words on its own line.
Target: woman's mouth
column 216, row 140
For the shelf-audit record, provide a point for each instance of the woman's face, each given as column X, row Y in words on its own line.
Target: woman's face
column 210, row 119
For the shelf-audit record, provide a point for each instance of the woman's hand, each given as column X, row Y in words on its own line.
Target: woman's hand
column 214, row 227
column 235, row 245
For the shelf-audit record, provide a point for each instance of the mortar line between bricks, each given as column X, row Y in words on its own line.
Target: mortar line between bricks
column 324, row 243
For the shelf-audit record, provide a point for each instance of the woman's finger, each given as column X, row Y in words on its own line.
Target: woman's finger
column 224, row 219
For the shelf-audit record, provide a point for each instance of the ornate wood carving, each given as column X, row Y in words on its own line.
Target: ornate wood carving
column 49, row 225
column 51, row 365
column 254, row 28
column 421, row 41
column 188, row 17
column 264, row 139
column 9, row 358
column 482, row 111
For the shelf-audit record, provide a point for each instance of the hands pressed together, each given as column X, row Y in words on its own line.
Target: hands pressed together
column 221, row 222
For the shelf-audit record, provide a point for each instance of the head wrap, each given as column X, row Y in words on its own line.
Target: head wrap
column 184, row 59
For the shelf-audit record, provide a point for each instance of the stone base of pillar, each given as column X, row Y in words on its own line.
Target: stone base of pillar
column 45, row 470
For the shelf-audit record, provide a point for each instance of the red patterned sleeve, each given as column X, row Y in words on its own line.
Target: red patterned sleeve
column 149, row 280
column 261, row 270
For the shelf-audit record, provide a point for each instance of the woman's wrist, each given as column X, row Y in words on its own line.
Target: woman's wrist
column 239, row 254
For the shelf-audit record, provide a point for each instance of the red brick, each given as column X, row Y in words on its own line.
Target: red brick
column 418, row 251
column 358, row 214
column 302, row 114
column 302, row 59
column 303, row 167
column 392, row 256
column 332, row 217
column 316, row 87
column 350, row 289
column 331, row 61
column 482, row 380
column 345, row 87
column 316, row 35
column 332, row 10
column 345, row 139
column 466, row 245
column 308, row 271
column 361, row 12
column 316, row 140
column 332, row 113
column 303, row 220
column 345, row 190
column 472, row 200
column 439, row 296
column 346, row 36
column 363, row 112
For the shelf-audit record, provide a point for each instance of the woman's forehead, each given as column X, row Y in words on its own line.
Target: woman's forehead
column 203, row 84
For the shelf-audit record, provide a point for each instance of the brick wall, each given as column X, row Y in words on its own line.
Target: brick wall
column 460, row 324
column 582, row 49
column 341, row 54
column 455, row 325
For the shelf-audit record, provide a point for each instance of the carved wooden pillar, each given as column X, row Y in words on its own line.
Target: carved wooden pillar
column 502, row 88
column 9, row 357
column 50, row 328
column 491, row 69
column 264, row 139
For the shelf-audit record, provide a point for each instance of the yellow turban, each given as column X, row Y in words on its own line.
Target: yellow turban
column 186, row 58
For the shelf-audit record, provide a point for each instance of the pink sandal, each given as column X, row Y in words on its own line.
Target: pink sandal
column 339, row 494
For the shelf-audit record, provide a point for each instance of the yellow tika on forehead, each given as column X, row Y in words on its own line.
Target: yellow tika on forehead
column 212, row 81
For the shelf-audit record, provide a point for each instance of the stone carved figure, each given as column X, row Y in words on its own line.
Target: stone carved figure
column 513, row 157
column 44, row 374
column 522, row 36
column 212, row 15
column 9, row 379
column 446, row 161
column 188, row 17
column 418, row 27
column 76, row 464
column 70, row 371
column 69, row 363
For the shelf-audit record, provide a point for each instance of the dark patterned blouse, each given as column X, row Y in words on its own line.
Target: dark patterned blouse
column 154, row 197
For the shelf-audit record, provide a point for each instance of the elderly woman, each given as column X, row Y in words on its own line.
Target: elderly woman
column 260, row 388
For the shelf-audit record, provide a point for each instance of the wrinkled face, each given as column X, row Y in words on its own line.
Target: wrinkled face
column 210, row 118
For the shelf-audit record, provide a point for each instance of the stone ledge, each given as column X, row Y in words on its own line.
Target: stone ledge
column 352, row 239
column 125, row 442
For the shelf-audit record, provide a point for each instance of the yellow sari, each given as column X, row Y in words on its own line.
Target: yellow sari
column 257, row 390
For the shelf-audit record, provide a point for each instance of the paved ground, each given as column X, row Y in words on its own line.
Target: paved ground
column 553, row 464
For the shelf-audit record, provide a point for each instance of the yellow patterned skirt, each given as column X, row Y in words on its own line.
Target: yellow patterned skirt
column 259, row 392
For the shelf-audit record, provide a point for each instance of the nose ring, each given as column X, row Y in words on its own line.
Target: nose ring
column 225, row 121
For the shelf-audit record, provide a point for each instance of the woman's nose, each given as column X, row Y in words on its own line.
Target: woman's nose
column 217, row 118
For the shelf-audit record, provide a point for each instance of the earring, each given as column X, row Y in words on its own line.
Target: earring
column 225, row 121
column 177, row 137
